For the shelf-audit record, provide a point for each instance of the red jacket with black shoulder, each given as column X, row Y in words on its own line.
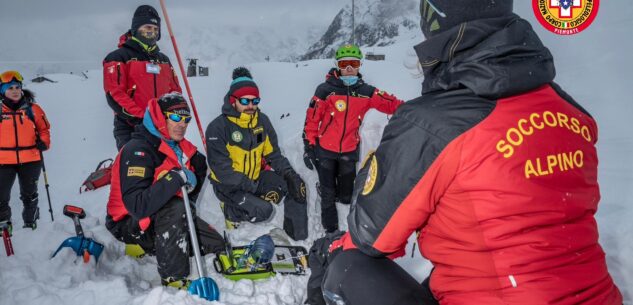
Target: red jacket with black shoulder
column 132, row 76
column 336, row 112
column 495, row 167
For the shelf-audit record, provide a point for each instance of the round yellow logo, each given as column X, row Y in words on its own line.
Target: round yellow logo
column 565, row 17
column 370, row 182
column 340, row 105
column 161, row 174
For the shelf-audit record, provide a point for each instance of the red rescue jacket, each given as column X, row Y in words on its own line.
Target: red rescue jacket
column 336, row 112
column 132, row 76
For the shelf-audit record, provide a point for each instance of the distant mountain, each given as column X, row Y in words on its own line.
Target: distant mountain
column 378, row 22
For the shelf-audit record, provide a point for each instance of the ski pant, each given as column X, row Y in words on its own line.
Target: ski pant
column 336, row 180
column 168, row 238
column 123, row 128
column 257, row 207
column 28, row 176
column 354, row 278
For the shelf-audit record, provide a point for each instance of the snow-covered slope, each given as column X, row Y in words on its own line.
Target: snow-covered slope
column 594, row 67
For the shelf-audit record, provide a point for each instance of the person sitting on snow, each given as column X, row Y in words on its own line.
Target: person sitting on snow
column 495, row 168
column 136, row 72
column 145, row 209
column 331, row 132
column 24, row 134
column 238, row 142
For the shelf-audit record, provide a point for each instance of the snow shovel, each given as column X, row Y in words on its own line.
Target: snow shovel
column 82, row 245
column 204, row 287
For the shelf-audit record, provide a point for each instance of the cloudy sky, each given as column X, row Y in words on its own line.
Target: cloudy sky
column 82, row 32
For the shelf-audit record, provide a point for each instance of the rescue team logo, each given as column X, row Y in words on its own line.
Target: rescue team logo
column 540, row 122
column 340, row 105
column 272, row 197
column 565, row 17
column 370, row 182
column 237, row 136
column 136, row 171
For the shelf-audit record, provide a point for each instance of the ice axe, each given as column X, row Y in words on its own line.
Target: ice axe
column 82, row 245
column 204, row 287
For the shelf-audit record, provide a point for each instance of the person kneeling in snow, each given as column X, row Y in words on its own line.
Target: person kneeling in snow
column 450, row 169
column 237, row 142
column 146, row 208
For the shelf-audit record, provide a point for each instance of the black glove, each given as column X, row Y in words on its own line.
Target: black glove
column 309, row 157
column 40, row 145
column 296, row 186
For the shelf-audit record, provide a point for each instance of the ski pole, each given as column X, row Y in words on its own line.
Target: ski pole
column 48, row 194
column 182, row 70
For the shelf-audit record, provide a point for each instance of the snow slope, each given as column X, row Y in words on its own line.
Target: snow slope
column 592, row 66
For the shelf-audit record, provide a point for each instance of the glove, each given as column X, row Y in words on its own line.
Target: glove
column 40, row 145
column 296, row 186
column 188, row 177
column 309, row 157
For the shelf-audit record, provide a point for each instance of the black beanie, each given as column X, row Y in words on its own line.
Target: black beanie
column 458, row 11
column 145, row 14
column 174, row 102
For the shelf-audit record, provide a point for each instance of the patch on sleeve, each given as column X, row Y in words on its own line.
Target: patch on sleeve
column 139, row 153
column 370, row 182
column 136, row 171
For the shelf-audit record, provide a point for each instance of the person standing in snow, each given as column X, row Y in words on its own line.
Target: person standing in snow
column 238, row 142
column 331, row 132
column 145, row 209
column 136, row 72
column 24, row 134
column 494, row 167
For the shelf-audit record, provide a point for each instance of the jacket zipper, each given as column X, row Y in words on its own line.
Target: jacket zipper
column 155, row 90
column 15, row 129
column 344, row 123
column 118, row 74
column 328, row 123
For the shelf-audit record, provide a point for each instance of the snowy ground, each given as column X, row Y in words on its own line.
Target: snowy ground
column 590, row 68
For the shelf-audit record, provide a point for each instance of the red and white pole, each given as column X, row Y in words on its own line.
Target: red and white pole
column 182, row 71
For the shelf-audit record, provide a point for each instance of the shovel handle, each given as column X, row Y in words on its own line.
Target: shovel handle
column 192, row 233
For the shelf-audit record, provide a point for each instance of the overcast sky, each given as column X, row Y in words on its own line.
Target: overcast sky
column 84, row 31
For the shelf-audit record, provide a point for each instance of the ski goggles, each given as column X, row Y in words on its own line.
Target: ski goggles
column 8, row 76
column 178, row 117
column 343, row 64
column 245, row 101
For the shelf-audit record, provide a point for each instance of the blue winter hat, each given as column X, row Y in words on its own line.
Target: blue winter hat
column 8, row 85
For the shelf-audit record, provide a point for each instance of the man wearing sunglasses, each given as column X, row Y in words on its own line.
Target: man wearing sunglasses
column 242, row 146
column 457, row 166
column 145, row 209
column 136, row 72
column 331, row 132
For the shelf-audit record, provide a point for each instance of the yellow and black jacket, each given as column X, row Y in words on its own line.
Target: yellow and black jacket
column 236, row 145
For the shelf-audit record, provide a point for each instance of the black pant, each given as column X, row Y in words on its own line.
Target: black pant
column 123, row 128
column 336, row 180
column 257, row 207
column 168, row 238
column 28, row 176
column 355, row 278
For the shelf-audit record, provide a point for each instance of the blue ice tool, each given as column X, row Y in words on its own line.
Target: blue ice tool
column 82, row 245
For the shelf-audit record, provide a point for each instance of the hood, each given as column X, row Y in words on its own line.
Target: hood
column 124, row 38
column 494, row 58
column 27, row 98
column 154, row 120
column 332, row 78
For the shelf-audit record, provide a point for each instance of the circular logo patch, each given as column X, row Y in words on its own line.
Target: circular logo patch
column 272, row 197
column 340, row 105
column 565, row 17
column 370, row 182
column 161, row 174
column 237, row 136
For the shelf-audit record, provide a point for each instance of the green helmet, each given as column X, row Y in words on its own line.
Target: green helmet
column 349, row 50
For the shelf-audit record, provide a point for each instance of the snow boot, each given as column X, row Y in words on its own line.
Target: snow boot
column 230, row 225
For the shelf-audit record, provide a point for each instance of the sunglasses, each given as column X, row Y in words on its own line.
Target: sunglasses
column 342, row 64
column 8, row 76
column 245, row 101
column 178, row 117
